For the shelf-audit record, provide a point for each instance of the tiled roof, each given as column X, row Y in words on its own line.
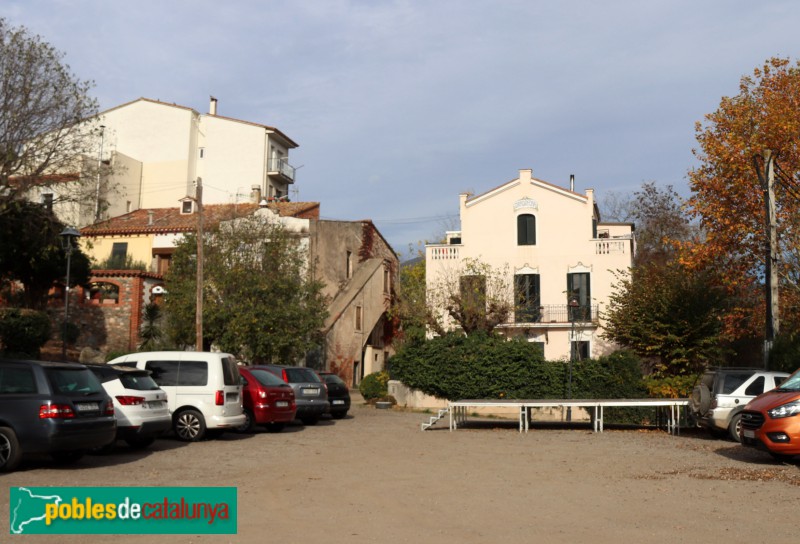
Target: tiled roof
column 171, row 220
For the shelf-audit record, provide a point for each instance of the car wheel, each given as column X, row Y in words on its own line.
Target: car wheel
column 10, row 454
column 67, row 457
column 310, row 420
column 700, row 400
column 338, row 415
column 275, row 427
column 189, row 426
column 140, row 443
column 735, row 428
column 247, row 426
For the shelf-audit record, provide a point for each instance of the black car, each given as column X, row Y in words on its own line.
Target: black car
column 338, row 394
column 55, row 408
column 310, row 393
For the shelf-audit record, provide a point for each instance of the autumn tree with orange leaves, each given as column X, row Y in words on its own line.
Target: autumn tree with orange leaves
column 729, row 200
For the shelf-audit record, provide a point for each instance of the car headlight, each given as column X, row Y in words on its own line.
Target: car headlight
column 785, row 410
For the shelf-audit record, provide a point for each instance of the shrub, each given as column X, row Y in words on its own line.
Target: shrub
column 785, row 353
column 23, row 331
column 69, row 332
column 375, row 385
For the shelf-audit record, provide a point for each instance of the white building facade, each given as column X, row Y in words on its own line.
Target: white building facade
column 558, row 259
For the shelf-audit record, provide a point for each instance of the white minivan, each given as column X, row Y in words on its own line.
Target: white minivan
column 203, row 389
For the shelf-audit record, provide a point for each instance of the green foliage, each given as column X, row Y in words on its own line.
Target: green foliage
column 33, row 254
column 120, row 263
column 260, row 301
column 670, row 314
column 69, row 332
column 670, row 387
column 151, row 333
column 374, row 386
column 455, row 366
column 23, row 331
column 410, row 307
column 785, row 353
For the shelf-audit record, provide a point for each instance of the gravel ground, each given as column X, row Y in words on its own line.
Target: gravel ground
column 375, row 477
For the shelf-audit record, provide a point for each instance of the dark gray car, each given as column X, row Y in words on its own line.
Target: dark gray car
column 55, row 408
column 310, row 392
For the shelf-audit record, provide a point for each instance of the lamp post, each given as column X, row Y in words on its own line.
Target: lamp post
column 68, row 237
column 573, row 310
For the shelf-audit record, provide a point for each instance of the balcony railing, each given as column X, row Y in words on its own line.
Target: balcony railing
column 281, row 167
column 557, row 313
column 606, row 247
column 443, row 253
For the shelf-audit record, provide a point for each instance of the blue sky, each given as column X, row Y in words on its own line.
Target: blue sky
column 399, row 106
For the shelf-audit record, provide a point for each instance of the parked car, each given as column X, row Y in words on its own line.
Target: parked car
column 718, row 400
column 140, row 406
column 268, row 400
column 55, row 408
column 203, row 390
column 338, row 394
column 310, row 393
column 771, row 421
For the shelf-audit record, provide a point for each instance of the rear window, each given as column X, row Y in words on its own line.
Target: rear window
column 332, row 378
column 77, row 381
column 296, row 375
column 16, row 380
column 230, row 371
column 138, row 381
column 265, row 377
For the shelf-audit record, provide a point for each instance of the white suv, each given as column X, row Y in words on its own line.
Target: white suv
column 203, row 389
column 718, row 400
column 140, row 406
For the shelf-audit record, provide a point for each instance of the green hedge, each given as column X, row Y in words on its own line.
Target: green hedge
column 490, row 367
column 23, row 332
column 374, row 386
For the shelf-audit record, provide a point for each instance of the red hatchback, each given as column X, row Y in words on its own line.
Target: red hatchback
column 268, row 400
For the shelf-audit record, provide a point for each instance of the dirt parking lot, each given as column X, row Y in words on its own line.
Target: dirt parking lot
column 375, row 477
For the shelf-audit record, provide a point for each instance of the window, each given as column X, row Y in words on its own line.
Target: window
column 594, row 227
column 195, row 373
column 165, row 373
column 349, row 265
column 359, row 317
column 755, row 388
column 119, row 254
column 527, row 298
column 186, row 207
column 201, row 152
column 47, row 201
column 579, row 350
column 386, row 283
column 578, row 291
column 14, row 380
column 526, row 230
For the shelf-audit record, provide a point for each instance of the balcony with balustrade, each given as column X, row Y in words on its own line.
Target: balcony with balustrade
column 280, row 169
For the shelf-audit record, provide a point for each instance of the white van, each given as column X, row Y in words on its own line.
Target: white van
column 203, row 389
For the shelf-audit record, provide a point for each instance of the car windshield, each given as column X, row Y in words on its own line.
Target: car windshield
column 140, row 381
column 265, row 377
column 75, row 381
column 792, row 383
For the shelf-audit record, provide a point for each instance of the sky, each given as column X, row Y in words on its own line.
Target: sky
column 399, row 106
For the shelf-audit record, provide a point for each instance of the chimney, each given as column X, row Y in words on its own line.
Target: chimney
column 255, row 194
column 150, row 218
column 572, row 182
column 212, row 108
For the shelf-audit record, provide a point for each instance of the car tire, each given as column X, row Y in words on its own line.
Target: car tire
column 247, row 426
column 10, row 452
column 700, row 399
column 274, row 427
column 189, row 425
column 140, row 443
column 67, row 457
column 735, row 428
column 310, row 420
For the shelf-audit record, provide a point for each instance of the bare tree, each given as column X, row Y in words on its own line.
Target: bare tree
column 46, row 116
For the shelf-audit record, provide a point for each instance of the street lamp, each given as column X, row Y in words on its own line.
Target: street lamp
column 573, row 311
column 69, row 236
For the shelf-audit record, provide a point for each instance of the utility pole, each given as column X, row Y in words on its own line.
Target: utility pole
column 99, row 176
column 767, row 179
column 198, row 321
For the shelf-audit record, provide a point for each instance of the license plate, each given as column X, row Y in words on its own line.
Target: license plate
column 282, row 404
column 87, row 406
column 338, row 402
column 748, row 433
column 309, row 391
column 156, row 404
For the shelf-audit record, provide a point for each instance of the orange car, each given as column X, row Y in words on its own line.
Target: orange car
column 771, row 421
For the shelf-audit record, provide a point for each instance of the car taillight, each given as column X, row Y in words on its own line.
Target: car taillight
column 284, row 376
column 262, row 394
column 110, row 408
column 129, row 400
column 219, row 399
column 55, row 411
